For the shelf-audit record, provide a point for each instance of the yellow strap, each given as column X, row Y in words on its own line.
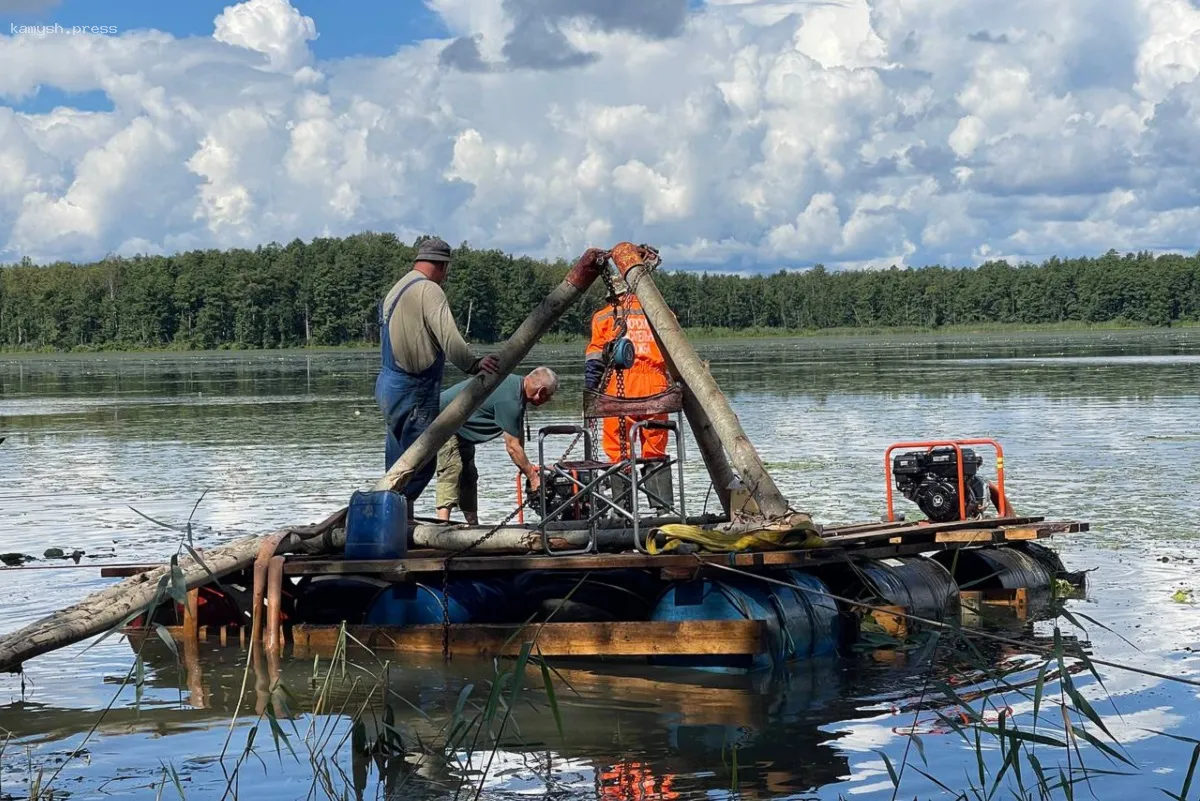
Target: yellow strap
column 764, row 539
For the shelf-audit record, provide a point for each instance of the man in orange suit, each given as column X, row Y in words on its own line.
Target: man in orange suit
column 647, row 376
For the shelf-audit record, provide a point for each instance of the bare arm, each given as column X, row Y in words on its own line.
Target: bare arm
column 516, row 452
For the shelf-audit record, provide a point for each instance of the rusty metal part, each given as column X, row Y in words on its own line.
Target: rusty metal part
column 274, row 633
column 266, row 551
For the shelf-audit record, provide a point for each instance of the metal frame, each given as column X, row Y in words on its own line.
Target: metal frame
column 957, row 444
column 660, row 465
column 587, row 455
column 600, row 503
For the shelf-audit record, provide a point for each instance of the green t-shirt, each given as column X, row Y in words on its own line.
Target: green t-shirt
column 502, row 412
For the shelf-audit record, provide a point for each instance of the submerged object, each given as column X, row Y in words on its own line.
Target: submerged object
column 377, row 525
column 802, row 621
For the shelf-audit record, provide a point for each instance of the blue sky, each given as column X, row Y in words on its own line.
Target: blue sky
column 347, row 30
column 745, row 135
column 360, row 28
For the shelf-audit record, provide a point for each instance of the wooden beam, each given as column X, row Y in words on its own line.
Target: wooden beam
column 108, row 607
column 970, row 536
column 630, row 260
column 892, row 619
column 911, row 531
column 1017, row 534
column 873, row 545
column 1016, row 599
column 639, row 638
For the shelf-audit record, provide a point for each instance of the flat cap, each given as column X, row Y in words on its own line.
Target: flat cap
column 433, row 250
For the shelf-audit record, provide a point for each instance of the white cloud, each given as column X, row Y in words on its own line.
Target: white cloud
column 272, row 27
column 760, row 133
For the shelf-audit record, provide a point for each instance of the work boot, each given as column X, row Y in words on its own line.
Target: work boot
column 618, row 491
column 662, row 485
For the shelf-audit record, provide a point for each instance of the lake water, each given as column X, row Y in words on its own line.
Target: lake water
column 1101, row 427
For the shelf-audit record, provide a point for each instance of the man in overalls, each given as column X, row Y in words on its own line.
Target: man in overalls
column 417, row 335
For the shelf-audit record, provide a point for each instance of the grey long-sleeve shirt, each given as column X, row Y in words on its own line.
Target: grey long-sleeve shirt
column 421, row 324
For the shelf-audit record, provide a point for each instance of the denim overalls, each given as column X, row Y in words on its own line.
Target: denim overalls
column 409, row 402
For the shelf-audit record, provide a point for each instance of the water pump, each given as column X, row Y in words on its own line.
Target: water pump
column 929, row 478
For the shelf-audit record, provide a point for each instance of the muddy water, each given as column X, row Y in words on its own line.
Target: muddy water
column 1099, row 427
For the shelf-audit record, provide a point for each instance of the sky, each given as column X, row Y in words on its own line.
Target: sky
column 741, row 135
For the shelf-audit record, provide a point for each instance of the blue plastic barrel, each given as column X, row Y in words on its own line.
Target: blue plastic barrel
column 377, row 525
column 810, row 615
column 801, row 624
column 416, row 604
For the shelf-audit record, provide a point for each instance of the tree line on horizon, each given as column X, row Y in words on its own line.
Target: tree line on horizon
column 327, row 293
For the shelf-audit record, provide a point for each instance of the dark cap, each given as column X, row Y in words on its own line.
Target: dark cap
column 433, row 250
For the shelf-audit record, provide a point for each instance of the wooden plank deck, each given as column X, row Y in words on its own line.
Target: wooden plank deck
column 924, row 542
column 889, row 540
column 636, row 638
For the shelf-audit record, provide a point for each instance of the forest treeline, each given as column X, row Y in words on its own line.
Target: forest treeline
column 327, row 292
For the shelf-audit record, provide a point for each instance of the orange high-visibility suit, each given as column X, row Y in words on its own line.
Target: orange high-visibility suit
column 647, row 376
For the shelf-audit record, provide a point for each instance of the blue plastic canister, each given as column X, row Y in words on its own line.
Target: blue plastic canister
column 377, row 525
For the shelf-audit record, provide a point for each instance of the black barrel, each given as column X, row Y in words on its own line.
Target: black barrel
column 996, row 569
column 922, row 586
column 330, row 600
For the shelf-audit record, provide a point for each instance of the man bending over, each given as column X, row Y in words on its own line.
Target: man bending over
column 502, row 414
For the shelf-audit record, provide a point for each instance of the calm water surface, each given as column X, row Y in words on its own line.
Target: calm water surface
column 1097, row 427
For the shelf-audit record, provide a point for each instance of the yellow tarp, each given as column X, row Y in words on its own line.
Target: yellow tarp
column 764, row 539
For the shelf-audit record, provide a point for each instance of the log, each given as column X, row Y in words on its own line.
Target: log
column 707, row 440
column 109, row 607
column 527, row 539
column 514, row 539
column 617, row 522
column 630, row 260
column 516, row 348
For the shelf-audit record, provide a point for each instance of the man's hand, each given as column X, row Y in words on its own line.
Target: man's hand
column 489, row 364
column 535, row 480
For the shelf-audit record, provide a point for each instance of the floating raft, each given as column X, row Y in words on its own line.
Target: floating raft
column 705, row 610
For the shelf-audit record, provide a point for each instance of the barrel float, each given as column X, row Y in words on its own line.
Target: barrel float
column 583, row 597
column 416, row 604
column 800, row 624
column 996, row 569
column 332, row 600
column 922, row 586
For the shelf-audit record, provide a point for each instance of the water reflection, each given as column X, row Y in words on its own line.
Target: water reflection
column 285, row 438
column 631, row 733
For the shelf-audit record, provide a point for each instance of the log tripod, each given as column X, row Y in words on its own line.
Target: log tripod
column 714, row 426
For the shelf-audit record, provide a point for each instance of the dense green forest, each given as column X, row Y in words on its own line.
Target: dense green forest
column 327, row 292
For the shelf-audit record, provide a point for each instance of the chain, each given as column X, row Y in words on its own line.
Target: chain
column 446, row 577
column 571, row 447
